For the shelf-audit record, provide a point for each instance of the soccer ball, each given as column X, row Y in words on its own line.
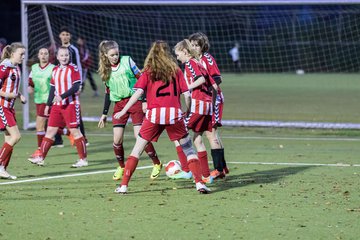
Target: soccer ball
column 172, row 167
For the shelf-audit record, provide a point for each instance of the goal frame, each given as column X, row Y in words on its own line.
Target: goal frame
column 26, row 3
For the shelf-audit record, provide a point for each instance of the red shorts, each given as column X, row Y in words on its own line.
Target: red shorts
column 199, row 123
column 66, row 115
column 151, row 131
column 136, row 113
column 8, row 118
column 40, row 108
column 217, row 114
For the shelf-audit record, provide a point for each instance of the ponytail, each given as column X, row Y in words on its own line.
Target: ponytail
column 9, row 49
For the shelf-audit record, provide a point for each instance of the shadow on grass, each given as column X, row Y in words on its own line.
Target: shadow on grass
column 256, row 177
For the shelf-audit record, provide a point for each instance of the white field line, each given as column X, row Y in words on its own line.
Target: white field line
column 145, row 167
column 248, row 137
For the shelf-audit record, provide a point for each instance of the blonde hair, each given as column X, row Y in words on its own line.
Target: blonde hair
column 104, row 64
column 159, row 61
column 9, row 49
column 185, row 44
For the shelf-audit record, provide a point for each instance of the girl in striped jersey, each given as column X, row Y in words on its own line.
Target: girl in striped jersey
column 201, row 43
column 119, row 75
column 64, row 85
column 201, row 86
column 163, row 82
column 39, row 84
column 10, row 76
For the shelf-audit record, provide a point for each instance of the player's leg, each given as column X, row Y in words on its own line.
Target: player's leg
column 217, row 152
column 137, row 116
column 11, row 136
column 131, row 164
column 118, row 135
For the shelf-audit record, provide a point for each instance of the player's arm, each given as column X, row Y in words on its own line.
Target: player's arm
column 72, row 91
column 106, row 108
column 217, row 79
column 187, row 100
column 134, row 98
column 198, row 80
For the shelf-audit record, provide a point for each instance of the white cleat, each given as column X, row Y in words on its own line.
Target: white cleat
column 4, row 174
column 80, row 163
column 37, row 160
column 121, row 190
column 201, row 188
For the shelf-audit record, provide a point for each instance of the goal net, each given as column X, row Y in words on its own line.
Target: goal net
column 270, row 38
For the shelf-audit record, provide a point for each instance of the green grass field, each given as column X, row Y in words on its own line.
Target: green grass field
column 283, row 184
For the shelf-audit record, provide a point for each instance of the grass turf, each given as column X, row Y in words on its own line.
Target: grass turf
column 253, row 202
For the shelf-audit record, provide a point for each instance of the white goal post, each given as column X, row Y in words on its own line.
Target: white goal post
column 261, row 52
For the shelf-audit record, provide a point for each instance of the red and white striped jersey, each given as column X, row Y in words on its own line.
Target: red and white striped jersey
column 63, row 78
column 163, row 98
column 10, row 76
column 208, row 61
column 202, row 95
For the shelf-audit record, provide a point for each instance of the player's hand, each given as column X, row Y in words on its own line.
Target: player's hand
column 102, row 121
column 118, row 115
column 58, row 98
column 46, row 111
column 30, row 90
column 22, row 99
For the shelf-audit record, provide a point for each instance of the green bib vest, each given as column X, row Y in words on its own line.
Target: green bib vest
column 121, row 81
column 41, row 78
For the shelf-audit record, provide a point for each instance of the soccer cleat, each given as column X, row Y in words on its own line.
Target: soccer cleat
column 156, row 171
column 118, row 173
column 37, row 160
column 80, row 163
column 36, row 154
column 208, row 179
column 182, row 175
column 4, row 174
column 71, row 139
column 217, row 174
column 201, row 188
column 121, row 189
column 226, row 170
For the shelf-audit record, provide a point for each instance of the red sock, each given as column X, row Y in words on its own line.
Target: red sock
column 205, row 171
column 182, row 158
column 150, row 150
column 7, row 160
column 130, row 167
column 40, row 135
column 5, row 154
column 45, row 146
column 81, row 147
column 119, row 154
column 195, row 168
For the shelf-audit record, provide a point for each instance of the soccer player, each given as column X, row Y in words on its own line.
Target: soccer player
column 163, row 82
column 39, row 84
column 202, row 88
column 10, row 76
column 64, row 85
column 201, row 43
column 119, row 74
column 65, row 38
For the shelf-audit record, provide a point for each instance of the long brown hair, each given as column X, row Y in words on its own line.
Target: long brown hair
column 160, row 62
column 9, row 49
column 104, row 64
